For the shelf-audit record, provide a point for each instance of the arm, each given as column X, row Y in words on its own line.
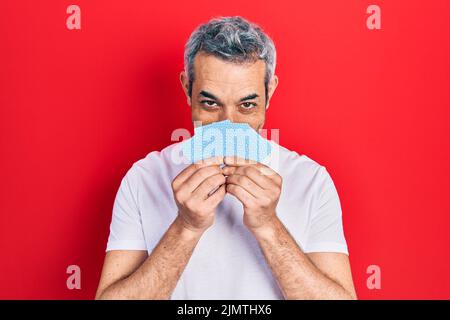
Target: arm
column 133, row 275
column 124, row 276
column 317, row 276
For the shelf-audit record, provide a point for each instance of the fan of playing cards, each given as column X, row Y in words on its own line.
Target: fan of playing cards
column 226, row 138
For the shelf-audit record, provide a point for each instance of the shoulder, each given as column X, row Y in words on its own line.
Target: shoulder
column 288, row 162
column 299, row 170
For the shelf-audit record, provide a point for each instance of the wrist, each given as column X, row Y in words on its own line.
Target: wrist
column 186, row 230
column 266, row 231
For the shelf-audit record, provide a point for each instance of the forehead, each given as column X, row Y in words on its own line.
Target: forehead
column 221, row 75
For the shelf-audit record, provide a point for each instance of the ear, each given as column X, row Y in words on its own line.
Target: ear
column 272, row 86
column 185, row 86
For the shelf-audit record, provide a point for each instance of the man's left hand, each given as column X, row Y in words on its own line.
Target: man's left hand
column 258, row 187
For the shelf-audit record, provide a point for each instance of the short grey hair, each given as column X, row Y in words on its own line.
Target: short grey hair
column 232, row 39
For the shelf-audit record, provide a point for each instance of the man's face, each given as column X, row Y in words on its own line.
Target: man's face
column 224, row 90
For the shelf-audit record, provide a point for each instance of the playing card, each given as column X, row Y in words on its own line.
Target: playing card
column 226, row 138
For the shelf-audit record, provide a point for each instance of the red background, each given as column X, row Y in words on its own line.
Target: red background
column 78, row 107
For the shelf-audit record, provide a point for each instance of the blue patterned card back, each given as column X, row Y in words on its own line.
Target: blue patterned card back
column 226, row 138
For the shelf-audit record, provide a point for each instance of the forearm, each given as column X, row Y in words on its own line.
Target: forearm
column 157, row 277
column 296, row 275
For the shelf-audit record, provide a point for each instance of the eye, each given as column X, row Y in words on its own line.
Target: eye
column 248, row 105
column 209, row 103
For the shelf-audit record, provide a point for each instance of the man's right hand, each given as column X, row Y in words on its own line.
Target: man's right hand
column 192, row 192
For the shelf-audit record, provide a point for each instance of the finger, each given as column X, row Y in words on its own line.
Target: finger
column 256, row 176
column 229, row 170
column 245, row 182
column 216, row 197
column 264, row 170
column 186, row 173
column 241, row 194
column 208, row 185
column 270, row 173
column 199, row 176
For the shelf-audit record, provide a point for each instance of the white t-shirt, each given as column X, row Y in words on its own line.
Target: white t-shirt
column 227, row 262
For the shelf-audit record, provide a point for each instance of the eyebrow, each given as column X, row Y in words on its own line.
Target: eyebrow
column 211, row 96
column 207, row 94
column 249, row 97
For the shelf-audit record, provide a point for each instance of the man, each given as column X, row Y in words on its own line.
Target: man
column 262, row 234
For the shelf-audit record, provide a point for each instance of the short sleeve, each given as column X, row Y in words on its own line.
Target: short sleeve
column 126, row 232
column 326, row 232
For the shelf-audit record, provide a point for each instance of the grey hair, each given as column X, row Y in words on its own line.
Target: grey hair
column 232, row 39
